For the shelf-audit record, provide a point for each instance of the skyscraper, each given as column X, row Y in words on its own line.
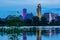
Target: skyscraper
column 50, row 16
column 24, row 13
column 39, row 11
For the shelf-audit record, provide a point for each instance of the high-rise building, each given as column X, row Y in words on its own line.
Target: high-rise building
column 58, row 18
column 24, row 13
column 29, row 16
column 39, row 11
column 50, row 16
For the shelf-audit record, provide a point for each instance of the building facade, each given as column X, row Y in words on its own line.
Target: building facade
column 29, row 16
column 24, row 13
column 50, row 16
column 39, row 11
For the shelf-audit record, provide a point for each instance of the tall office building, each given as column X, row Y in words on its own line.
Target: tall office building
column 50, row 16
column 24, row 13
column 39, row 11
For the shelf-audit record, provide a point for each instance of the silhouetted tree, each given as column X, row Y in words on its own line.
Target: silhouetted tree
column 14, row 22
column 35, row 20
column 2, row 23
column 44, row 21
column 28, row 22
column 53, row 23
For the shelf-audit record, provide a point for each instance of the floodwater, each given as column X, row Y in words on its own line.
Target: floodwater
column 29, row 34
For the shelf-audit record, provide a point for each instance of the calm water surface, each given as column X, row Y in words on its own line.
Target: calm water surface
column 28, row 36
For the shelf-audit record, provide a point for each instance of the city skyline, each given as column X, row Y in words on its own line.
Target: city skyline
column 9, row 7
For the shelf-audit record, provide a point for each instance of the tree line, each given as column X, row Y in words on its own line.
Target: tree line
column 35, row 21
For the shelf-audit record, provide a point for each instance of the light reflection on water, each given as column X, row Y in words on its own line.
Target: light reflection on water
column 29, row 36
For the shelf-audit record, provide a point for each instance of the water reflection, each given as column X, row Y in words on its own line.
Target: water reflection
column 38, row 31
column 17, row 33
column 24, row 35
column 13, row 37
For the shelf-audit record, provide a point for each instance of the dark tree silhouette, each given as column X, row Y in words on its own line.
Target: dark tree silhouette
column 44, row 21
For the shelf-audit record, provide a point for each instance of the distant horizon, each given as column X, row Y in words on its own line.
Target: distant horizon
column 13, row 12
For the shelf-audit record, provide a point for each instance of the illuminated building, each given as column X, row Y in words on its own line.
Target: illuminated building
column 50, row 16
column 24, row 13
column 39, row 11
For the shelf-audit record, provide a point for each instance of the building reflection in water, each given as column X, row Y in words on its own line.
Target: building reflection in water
column 50, row 32
column 14, row 36
column 38, row 34
column 24, row 35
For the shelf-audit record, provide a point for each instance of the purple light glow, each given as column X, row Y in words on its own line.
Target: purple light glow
column 24, row 13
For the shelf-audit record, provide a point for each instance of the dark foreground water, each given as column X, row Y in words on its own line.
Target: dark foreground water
column 29, row 33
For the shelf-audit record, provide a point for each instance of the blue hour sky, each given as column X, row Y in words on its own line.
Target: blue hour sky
column 9, row 7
